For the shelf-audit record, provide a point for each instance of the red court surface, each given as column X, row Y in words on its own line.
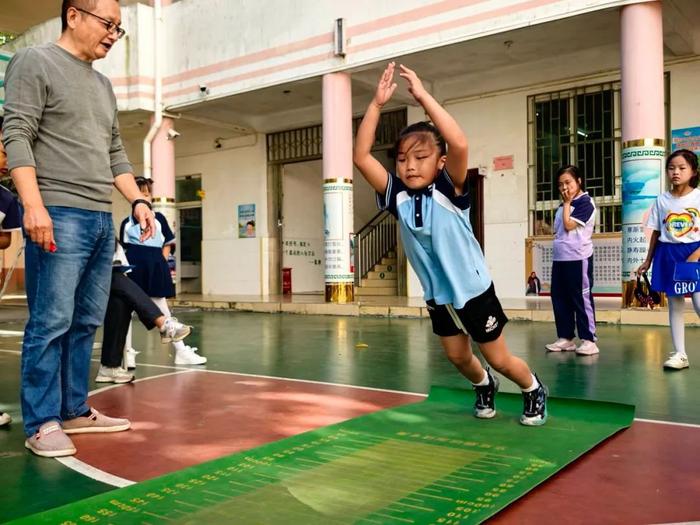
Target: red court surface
column 233, row 413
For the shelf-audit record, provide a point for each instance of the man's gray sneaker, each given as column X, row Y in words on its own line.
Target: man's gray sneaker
column 50, row 441
column 95, row 422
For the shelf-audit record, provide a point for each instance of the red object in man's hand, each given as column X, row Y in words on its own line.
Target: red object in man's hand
column 52, row 247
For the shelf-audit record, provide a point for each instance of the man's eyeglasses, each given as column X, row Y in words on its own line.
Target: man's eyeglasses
column 110, row 26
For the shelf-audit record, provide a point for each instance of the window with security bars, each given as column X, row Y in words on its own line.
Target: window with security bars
column 579, row 126
column 302, row 144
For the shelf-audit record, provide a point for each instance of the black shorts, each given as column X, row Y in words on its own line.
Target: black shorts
column 482, row 318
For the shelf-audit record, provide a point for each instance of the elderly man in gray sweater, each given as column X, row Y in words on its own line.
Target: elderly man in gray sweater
column 65, row 154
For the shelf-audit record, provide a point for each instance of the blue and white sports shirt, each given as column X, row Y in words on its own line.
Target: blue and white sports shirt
column 577, row 244
column 438, row 239
column 130, row 233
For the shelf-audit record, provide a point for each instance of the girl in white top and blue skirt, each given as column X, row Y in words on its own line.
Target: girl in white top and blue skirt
column 151, row 271
column 675, row 219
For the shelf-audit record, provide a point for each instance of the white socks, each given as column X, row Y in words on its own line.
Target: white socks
column 534, row 386
column 484, row 381
column 676, row 305
column 162, row 303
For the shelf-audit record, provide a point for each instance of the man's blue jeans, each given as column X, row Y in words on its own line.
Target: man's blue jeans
column 67, row 293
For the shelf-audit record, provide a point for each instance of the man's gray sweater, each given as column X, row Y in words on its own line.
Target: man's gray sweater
column 61, row 118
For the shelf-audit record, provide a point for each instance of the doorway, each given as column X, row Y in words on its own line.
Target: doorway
column 188, row 260
column 302, row 225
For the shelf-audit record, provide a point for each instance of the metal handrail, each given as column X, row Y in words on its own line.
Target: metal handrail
column 370, row 224
column 374, row 240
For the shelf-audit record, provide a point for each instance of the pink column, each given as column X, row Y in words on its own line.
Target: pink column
column 642, row 71
column 163, row 154
column 643, row 131
column 164, row 172
column 337, row 187
column 337, row 126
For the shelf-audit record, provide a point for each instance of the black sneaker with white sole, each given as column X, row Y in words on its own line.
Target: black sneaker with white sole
column 485, row 403
column 535, row 406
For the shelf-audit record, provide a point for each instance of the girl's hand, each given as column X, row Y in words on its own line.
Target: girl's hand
column 643, row 268
column 567, row 196
column 415, row 86
column 694, row 257
column 386, row 86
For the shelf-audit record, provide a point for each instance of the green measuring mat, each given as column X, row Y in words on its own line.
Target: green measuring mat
column 424, row 463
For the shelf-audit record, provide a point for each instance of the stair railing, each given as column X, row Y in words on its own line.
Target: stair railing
column 372, row 242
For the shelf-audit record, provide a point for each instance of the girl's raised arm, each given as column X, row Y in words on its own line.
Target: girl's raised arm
column 457, row 147
column 371, row 169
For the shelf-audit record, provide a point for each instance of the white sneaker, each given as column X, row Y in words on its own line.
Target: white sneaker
column 561, row 345
column 130, row 358
column 5, row 419
column 587, row 348
column 113, row 375
column 189, row 356
column 677, row 362
column 173, row 330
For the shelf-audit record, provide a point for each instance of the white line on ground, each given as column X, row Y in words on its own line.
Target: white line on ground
column 313, row 382
column 110, row 387
column 94, row 473
column 259, row 376
column 662, row 422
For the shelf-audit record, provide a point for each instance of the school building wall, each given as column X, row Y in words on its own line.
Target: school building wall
column 297, row 42
column 236, row 47
column 232, row 175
